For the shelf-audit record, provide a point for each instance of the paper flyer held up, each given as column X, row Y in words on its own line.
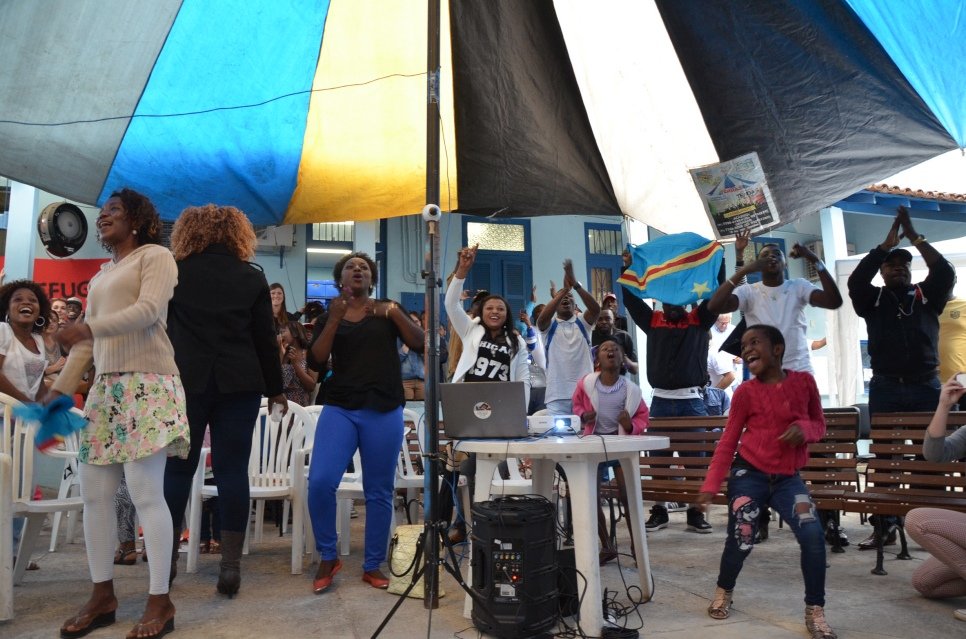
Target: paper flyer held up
column 736, row 196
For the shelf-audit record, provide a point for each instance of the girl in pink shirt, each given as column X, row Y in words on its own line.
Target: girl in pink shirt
column 773, row 418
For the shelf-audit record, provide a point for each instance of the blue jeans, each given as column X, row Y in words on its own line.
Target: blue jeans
column 889, row 395
column 664, row 407
column 231, row 418
column 378, row 436
column 749, row 491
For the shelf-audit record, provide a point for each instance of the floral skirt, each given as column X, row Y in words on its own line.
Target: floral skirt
column 132, row 416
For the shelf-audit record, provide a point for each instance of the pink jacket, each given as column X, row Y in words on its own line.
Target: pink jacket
column 585, row 399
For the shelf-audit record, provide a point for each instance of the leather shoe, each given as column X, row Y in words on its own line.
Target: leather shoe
column 321, row 584
column 869, row 542
column 606, row 555
column 457, row 533
column 375, row 579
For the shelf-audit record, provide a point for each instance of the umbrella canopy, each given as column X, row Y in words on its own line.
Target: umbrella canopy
column 311, row 110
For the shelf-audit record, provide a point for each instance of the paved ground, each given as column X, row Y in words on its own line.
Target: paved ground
column 274, row 603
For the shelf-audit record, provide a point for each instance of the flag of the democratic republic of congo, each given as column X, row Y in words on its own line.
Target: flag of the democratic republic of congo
column 675, row 269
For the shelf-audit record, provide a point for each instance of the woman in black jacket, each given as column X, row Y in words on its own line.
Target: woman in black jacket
column 220, row 323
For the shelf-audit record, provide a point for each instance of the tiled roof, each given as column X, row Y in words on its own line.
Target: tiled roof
column 917, row 193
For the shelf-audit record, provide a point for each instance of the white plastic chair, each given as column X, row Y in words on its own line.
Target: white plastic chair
column 350, row 488
column 19, row 436
column 6, row 537
column 69, row 485
column 275, row 471
column 407, row 477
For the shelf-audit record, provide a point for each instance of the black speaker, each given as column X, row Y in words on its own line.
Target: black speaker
column 514, row 566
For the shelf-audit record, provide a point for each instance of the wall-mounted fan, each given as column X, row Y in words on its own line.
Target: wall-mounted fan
column 62, row 228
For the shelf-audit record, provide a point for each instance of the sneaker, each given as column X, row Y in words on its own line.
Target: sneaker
column 816, row 624
column 833, row 531
column 676, row 507
column 697, row 523
column 658, row 519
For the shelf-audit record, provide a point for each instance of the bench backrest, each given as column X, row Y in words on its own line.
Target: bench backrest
column 831, row 468
column 899, row 478
column 669, row 477
column 677, row 473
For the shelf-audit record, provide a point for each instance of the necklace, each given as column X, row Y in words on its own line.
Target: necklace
column 901, row 312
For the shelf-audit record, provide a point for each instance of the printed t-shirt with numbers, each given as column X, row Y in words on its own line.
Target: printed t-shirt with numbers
column 492, row 362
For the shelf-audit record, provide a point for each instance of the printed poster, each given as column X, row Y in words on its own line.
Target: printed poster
column 736, row 196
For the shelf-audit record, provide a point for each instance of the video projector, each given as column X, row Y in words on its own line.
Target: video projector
column 553, row 424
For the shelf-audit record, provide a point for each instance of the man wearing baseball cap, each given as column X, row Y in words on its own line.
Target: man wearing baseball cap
column 902, row 319
column 74, row 309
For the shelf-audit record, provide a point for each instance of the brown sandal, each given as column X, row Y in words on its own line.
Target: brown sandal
column 720, row 607
column 126, row 555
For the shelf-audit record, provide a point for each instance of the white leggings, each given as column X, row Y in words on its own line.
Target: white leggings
column 145, row 481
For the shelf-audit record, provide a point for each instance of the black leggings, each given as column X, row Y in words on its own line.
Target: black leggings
column 231, row 418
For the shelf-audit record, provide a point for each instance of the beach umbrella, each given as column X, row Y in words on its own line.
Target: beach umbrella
column 315, row 110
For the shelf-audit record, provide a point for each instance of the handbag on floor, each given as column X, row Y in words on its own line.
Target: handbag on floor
column 405, row 556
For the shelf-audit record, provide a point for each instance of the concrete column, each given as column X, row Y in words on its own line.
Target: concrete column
column 833, row 236
column 364, row 237
column 21, row 231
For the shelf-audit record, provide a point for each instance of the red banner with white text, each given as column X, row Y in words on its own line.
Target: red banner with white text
column 64, row 278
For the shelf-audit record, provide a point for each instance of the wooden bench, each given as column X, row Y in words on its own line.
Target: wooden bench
column 899, row 479
column 831, row 471
column 678, row 478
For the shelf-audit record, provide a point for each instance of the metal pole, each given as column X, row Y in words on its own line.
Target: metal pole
column 431, row 277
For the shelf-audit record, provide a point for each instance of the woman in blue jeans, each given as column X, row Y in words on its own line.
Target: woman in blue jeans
column 363, row 410
column 220, row 323
column 774, row 417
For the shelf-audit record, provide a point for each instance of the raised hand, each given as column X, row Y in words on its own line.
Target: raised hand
column 800, row 250
column 905, row 223
column 524, row 317
column 553, row 289
column 741, row 243
column 892, row 239
column 467, row 258
column 626, row 258
column 569, row 279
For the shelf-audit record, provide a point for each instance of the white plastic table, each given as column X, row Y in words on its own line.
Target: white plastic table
column 579, row 457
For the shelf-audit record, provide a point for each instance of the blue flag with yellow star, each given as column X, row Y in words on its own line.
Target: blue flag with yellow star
column 676, row 269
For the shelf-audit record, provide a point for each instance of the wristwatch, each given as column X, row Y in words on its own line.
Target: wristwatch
column 578, row 286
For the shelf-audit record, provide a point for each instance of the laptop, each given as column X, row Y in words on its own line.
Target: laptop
column 484, row 410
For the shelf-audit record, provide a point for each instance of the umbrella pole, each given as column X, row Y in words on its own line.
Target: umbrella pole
column 431, row 213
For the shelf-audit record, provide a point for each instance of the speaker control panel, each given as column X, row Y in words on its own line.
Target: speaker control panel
column 507, row 572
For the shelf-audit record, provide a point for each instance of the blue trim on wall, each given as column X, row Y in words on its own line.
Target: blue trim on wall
column 874, row 203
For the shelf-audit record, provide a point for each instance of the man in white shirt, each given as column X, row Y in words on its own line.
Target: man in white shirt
column 724, row 362
column 778, row 302
column 566, row 340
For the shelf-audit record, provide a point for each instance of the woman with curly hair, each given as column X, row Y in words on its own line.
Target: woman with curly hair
column 363, row 410
column 136, row 406
column 224, row 342
column 23, row 355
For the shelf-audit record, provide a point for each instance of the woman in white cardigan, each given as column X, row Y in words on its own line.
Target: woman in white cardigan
column 493, row 351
